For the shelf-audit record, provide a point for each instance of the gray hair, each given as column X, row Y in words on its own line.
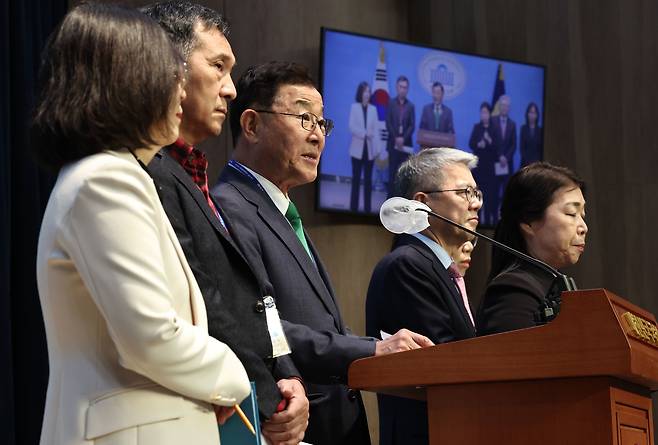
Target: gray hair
column 425, row 169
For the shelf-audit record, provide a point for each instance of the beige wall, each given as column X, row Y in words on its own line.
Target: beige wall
column 602, row 64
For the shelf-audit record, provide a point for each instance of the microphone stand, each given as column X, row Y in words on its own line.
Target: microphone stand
column 551, row 307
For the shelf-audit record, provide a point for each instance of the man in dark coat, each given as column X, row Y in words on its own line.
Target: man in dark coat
column 279, row 133
column 437, row 116
column 503, row 130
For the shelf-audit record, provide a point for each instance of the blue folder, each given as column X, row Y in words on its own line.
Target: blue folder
column 234, row 431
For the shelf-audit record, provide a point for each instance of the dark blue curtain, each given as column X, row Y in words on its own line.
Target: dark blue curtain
column 24, row 189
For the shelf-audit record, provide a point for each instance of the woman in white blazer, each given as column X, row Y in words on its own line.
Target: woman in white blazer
column 364, row 147
column 130, row 358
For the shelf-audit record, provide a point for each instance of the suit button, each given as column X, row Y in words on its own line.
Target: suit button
column 352, row 394
column 259, row 307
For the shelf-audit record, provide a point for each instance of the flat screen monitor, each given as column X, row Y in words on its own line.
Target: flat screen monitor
column 490, row 107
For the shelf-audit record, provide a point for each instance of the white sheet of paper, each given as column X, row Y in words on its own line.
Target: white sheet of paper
column 384, row 335
column 499, row 170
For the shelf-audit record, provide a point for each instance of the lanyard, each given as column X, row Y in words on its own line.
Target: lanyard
column 242, row 169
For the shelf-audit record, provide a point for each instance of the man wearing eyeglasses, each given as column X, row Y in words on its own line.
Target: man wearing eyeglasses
column 279, row 133
column 417, row 284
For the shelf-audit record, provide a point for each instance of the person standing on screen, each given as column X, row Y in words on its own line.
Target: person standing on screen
column 231, row 290
column 415, row 284
column 462, row 261
column 436, row 116
column 279, row 133
column 531, row 136
column 364, row 146
column 543, row 215
column 504, row 131
column 504, row 135
column 481, row 144
column 400, row 124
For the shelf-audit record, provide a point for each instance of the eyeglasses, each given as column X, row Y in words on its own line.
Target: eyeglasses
column 309, row 121
column 470, row 193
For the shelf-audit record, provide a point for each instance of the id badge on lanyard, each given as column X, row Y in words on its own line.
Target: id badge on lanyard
column 277, row 336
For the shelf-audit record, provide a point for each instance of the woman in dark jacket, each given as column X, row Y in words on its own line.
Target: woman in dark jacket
column 531, row 136
column 542, row 215
column 481, row 144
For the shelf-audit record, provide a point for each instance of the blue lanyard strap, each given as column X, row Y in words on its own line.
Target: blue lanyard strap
column 243, row 170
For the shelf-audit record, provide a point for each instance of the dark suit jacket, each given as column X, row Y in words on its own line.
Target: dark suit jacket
column 427, row 120
column 322, row 347
column 395, row 115
column 504, row 145
column 512, row 299
column 230, row 289
column 531, row 145
column 411, row 288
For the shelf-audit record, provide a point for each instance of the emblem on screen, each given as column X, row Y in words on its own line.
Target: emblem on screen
column 440, row 67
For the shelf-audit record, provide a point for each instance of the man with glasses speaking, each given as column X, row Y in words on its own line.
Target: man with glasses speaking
column 416, row 285
column 279, row 133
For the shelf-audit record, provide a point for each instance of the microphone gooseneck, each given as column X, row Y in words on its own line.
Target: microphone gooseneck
column 398, row 215
column 505, row 247
column 551, row 305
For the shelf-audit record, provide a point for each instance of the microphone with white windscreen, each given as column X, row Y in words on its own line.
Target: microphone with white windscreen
column 400, row 215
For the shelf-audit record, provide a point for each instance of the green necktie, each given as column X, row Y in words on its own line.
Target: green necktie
column 292, row 215
column 437, row 116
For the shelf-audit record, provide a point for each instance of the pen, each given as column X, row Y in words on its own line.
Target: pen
column 245, row 420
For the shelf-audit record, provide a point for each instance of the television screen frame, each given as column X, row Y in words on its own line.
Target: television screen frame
column 453, row 90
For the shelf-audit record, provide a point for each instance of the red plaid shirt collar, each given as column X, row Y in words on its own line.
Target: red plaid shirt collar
column 194, row 162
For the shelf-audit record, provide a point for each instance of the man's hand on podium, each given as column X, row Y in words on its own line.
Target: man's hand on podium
column 402, row 340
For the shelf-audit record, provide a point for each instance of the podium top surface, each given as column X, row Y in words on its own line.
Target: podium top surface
column 596, row 333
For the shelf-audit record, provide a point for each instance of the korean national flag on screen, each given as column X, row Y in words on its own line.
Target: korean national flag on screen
column 380, row 100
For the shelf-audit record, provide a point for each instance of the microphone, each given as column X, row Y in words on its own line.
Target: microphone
column 401, row 215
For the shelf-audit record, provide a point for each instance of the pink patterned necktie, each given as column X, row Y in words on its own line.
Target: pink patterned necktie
column 453, row 271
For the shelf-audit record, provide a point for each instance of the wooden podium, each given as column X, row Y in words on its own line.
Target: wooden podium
column 428, row 138
column 584, row 378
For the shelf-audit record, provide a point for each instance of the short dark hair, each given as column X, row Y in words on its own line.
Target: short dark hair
column 108, row 75
column 529, row 193
column 259, row 85
column 530, row 106
column 402, row 78
column 179, row 19
column 359, row 91
column 486, row 105
column 440, row 85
